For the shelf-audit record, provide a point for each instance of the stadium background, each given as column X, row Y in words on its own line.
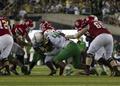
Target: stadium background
column 63, row 13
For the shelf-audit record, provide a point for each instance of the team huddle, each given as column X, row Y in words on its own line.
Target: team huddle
column 55, row 48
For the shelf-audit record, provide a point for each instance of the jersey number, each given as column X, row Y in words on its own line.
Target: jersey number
column 55, row 35
column 98, row 24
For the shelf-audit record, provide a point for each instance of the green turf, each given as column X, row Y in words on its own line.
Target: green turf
column 39, row 78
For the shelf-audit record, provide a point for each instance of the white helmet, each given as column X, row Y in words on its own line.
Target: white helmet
column 37, row 38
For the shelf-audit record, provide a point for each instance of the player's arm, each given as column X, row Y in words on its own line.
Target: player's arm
column 81, row 30
column 28, row 39
column 77, row 35
column 9, row 29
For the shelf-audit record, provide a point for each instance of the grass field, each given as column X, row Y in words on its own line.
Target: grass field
column 39, row 78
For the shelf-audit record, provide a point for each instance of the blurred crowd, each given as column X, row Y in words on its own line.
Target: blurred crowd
column 107, row 10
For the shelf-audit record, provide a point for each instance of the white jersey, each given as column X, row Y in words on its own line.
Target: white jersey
column 56, row 39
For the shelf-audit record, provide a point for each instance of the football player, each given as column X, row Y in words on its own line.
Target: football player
column 42, row 51
column 101, row 38
column 20, row 32
column 37, row 43
column 68, row 47
column 6, row 43
column 46, row 27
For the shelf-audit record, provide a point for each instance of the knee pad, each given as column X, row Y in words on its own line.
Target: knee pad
column 89, row 55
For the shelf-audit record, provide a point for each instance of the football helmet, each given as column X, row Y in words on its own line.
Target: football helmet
column 29, row 23
column 45, row 25
column 92, row 18
column 38, row 37
column 78, row 24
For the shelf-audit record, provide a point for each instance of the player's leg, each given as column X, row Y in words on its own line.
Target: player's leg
column 109, row 49
column 20, row 62
column 36, row 57
column 65, row 53
column 49, row 60
column 76, row 56
column 95, row 45
column 75, row 61
column 49, row 64
column 18, row 57
column 28, row 47
column 6, row 44
column 113, row 63
column 13, row 63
